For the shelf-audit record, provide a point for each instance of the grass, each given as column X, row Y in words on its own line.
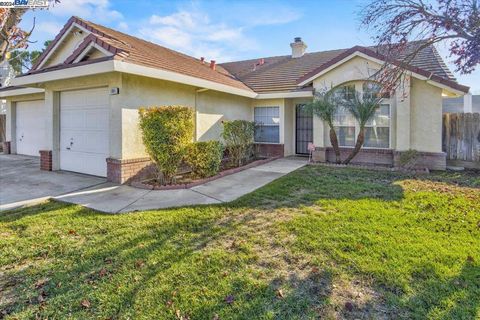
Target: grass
column 319, row 242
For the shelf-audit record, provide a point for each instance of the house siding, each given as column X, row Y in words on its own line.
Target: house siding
column 137, row 92
column 426, row 117
column 213, row 107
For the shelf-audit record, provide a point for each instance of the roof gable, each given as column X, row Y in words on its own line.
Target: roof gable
column 120, row 46
column 379, row 58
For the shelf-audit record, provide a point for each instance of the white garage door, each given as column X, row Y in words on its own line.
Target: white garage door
column 84, row 131
column 30, row 127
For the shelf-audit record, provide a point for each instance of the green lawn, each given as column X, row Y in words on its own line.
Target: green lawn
column 318, row 243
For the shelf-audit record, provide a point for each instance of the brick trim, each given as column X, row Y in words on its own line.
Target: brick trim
column 6, row 147
column 269, row 149
column 379, row 157
column 383, row 157
column 45, row 160
column 125, row 170
column 428, row 160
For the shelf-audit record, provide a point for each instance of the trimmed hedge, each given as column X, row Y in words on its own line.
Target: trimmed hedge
column 167, row 131
column 239, row 136
column 204, row 158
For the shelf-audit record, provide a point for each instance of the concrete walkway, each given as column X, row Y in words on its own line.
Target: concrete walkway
column 113, row 198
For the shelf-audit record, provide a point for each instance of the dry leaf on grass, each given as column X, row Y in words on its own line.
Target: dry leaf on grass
column 85, row 303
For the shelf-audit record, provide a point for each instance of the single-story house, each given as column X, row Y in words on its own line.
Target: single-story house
column 78, row 105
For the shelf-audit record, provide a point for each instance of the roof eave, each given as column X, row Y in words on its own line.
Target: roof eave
column 162, row 74
column 66, row 72
column 18, row 91
column 285, row 94
column 112, row 65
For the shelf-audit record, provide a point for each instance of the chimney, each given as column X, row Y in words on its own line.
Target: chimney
column 212, row 64
column 298, row 47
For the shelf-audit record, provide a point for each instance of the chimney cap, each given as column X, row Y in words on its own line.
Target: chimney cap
column 298, row 47
column 212, row 64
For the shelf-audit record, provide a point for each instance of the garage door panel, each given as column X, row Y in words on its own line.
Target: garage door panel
column 96, row 118
column 72, row 119
column 97, row 98
column 84, row 131
column 92, row 163
column 30, row 127
column 84, row 141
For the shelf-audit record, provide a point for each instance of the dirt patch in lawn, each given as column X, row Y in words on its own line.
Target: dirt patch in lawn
column 293, row 276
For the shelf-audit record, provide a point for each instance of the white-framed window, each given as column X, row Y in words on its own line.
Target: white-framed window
column 346, row 92
column 344, row 126
column 267, row 124
column 372, row 89
column 377, row 130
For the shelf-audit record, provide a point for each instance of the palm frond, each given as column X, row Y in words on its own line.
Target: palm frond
column 362, row 108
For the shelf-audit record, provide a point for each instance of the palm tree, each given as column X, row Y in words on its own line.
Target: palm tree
column 324, row 106
column 363, row 109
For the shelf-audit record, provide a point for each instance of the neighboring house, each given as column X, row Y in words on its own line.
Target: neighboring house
column 468, row 103
column 6, row 74
column 78, row 106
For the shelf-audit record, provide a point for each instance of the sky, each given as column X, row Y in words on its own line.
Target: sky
column 224, row 30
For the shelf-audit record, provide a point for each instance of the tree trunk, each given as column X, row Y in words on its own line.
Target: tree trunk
column 358, row 146
column 334, row 142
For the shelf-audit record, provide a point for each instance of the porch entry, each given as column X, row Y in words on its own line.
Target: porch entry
column 303, row 129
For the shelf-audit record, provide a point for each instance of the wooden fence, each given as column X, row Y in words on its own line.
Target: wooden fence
column 461, row 137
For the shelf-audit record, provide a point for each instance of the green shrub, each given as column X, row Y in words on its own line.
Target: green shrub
column 167, row 131
column 238, row 137
column 204, row 158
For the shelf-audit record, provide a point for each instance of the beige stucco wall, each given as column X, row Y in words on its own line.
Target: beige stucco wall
column 416, row 115
column 137, row 92
column 426, row 117
column 213, row 107
column 289, row 128
column 354, row 70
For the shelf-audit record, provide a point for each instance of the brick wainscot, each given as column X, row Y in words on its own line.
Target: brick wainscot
column 269, row 150
column 125, row 170
column 382, row 157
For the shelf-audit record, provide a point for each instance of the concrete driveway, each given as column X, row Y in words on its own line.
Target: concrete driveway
column 23, row 183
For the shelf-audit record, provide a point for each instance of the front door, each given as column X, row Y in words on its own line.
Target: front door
column 303, row 129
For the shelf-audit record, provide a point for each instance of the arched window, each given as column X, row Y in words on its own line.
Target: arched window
column 377, row 130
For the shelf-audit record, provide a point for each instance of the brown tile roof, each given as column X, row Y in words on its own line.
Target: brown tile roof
column 284, row 73
column 141, row 52
column 278, row 73
column 265, row 75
